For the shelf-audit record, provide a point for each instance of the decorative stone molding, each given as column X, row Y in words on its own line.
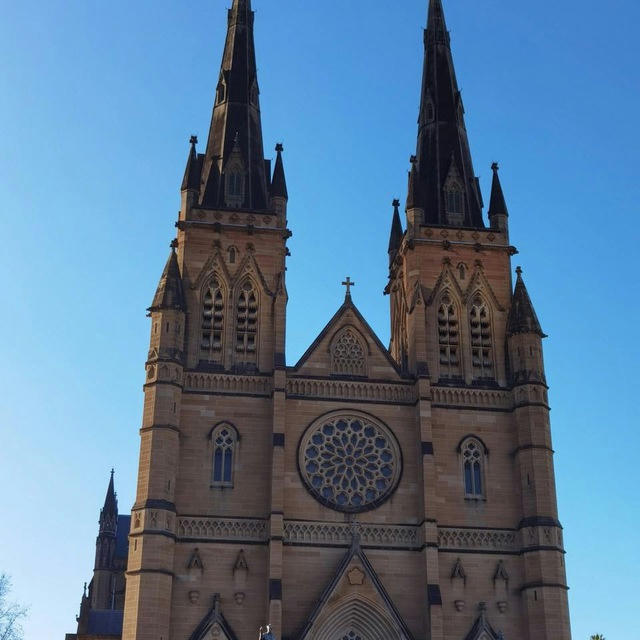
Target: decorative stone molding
column 472, row 398
column 223, row 529
column 224, row 383
column 340, row 534
column 478, row 539
column 347, row 390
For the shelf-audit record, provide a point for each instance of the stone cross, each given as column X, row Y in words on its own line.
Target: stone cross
column 347, row 283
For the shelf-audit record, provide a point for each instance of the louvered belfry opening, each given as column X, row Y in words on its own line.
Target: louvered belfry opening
column 481, row 340
column 211, row 348
column 449, row 338
column 247, row 324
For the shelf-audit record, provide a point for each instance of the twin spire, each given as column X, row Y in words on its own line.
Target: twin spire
column 233, row 172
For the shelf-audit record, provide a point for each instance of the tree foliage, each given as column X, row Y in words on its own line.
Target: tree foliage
column 10, row 613
column 598, row 636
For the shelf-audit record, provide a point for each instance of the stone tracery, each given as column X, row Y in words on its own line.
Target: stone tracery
column 349, row 463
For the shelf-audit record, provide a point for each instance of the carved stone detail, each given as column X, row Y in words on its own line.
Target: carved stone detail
column 476, row 398
column 347, row 390
column 222, row 529
column 224, row 383
column 336, row 533
column 480, row 539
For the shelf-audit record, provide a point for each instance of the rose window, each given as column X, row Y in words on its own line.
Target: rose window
column 349, row 463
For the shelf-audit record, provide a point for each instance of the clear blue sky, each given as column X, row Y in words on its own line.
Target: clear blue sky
column 97, row 102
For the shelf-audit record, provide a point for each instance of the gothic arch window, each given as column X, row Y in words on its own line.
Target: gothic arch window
column 233, row 254
column 449, row 338
column 348, row 354
column 481, row 339
column 235, row 183
column 224, row 441
column 246, row 344
column 473, row 468
column 213, row 312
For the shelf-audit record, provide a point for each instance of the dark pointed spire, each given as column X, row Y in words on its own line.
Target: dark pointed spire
column 170, row 293
column 443, row 159
column 497, row 205
column 109, row 512
column 191, row 180
column 279, row 182
column 236, row 118
column 522, row 316
column 395, row 237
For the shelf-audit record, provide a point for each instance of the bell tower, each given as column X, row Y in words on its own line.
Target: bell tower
column 217, row 326
column 475, row 346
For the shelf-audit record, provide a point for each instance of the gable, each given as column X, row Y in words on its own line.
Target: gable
column 348, row 348
column 355, row 605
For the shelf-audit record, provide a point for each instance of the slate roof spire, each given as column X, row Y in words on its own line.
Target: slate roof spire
column 443, row 159
column 236, row 117
column 191, row 180
column 170, row 292
column 395, row 237
column 522, row 315
column 109, row 512
column 279, row 182
column 497, row 205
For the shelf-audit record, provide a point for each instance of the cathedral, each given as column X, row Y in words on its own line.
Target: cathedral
column 364, row 492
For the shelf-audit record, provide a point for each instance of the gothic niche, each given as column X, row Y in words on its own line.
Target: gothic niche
column 348, row 354
column 350, row 463
column 240, row 573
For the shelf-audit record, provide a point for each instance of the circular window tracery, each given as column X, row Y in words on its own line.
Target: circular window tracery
column 349, row 462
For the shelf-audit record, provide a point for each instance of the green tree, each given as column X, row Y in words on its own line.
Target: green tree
column 10, row 613
column 598, row 636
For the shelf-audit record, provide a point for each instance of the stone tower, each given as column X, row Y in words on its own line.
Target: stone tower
column 363, row 493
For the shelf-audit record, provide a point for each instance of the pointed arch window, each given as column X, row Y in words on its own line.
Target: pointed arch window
column 481, row 340
column 348, row 354
column 212, row 338
column 224, row 439
column 473, row 464
column 449, row 338
column 455, row 202
column 247, row 324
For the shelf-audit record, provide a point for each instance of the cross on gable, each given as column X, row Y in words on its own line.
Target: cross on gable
column 347, row 283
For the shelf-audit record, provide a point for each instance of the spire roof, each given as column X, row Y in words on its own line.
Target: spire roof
column 236, row 118
column 170, row 293
column 192, row 171
column 497, row 205
column 279, row 182
column 395, row 237
column 443, row 159
column 110, row 500
column 522, row 316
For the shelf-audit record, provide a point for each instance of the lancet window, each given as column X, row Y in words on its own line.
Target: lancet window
column 455, row 204
column 247, row 323
column 481, row 340
column 449, row 338
column 348, row 354
column 473, row 468
column 212, row 342
column 224, row 440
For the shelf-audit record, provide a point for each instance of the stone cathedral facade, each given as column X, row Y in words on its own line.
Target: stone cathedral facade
column 362, row 493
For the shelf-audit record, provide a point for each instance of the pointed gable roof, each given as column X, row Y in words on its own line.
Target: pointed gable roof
column 214, row 619
column 522, row 316
column 481, row 629
column 442, row 136
column 356, row 594
column 348, row 315
column 170, row 292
